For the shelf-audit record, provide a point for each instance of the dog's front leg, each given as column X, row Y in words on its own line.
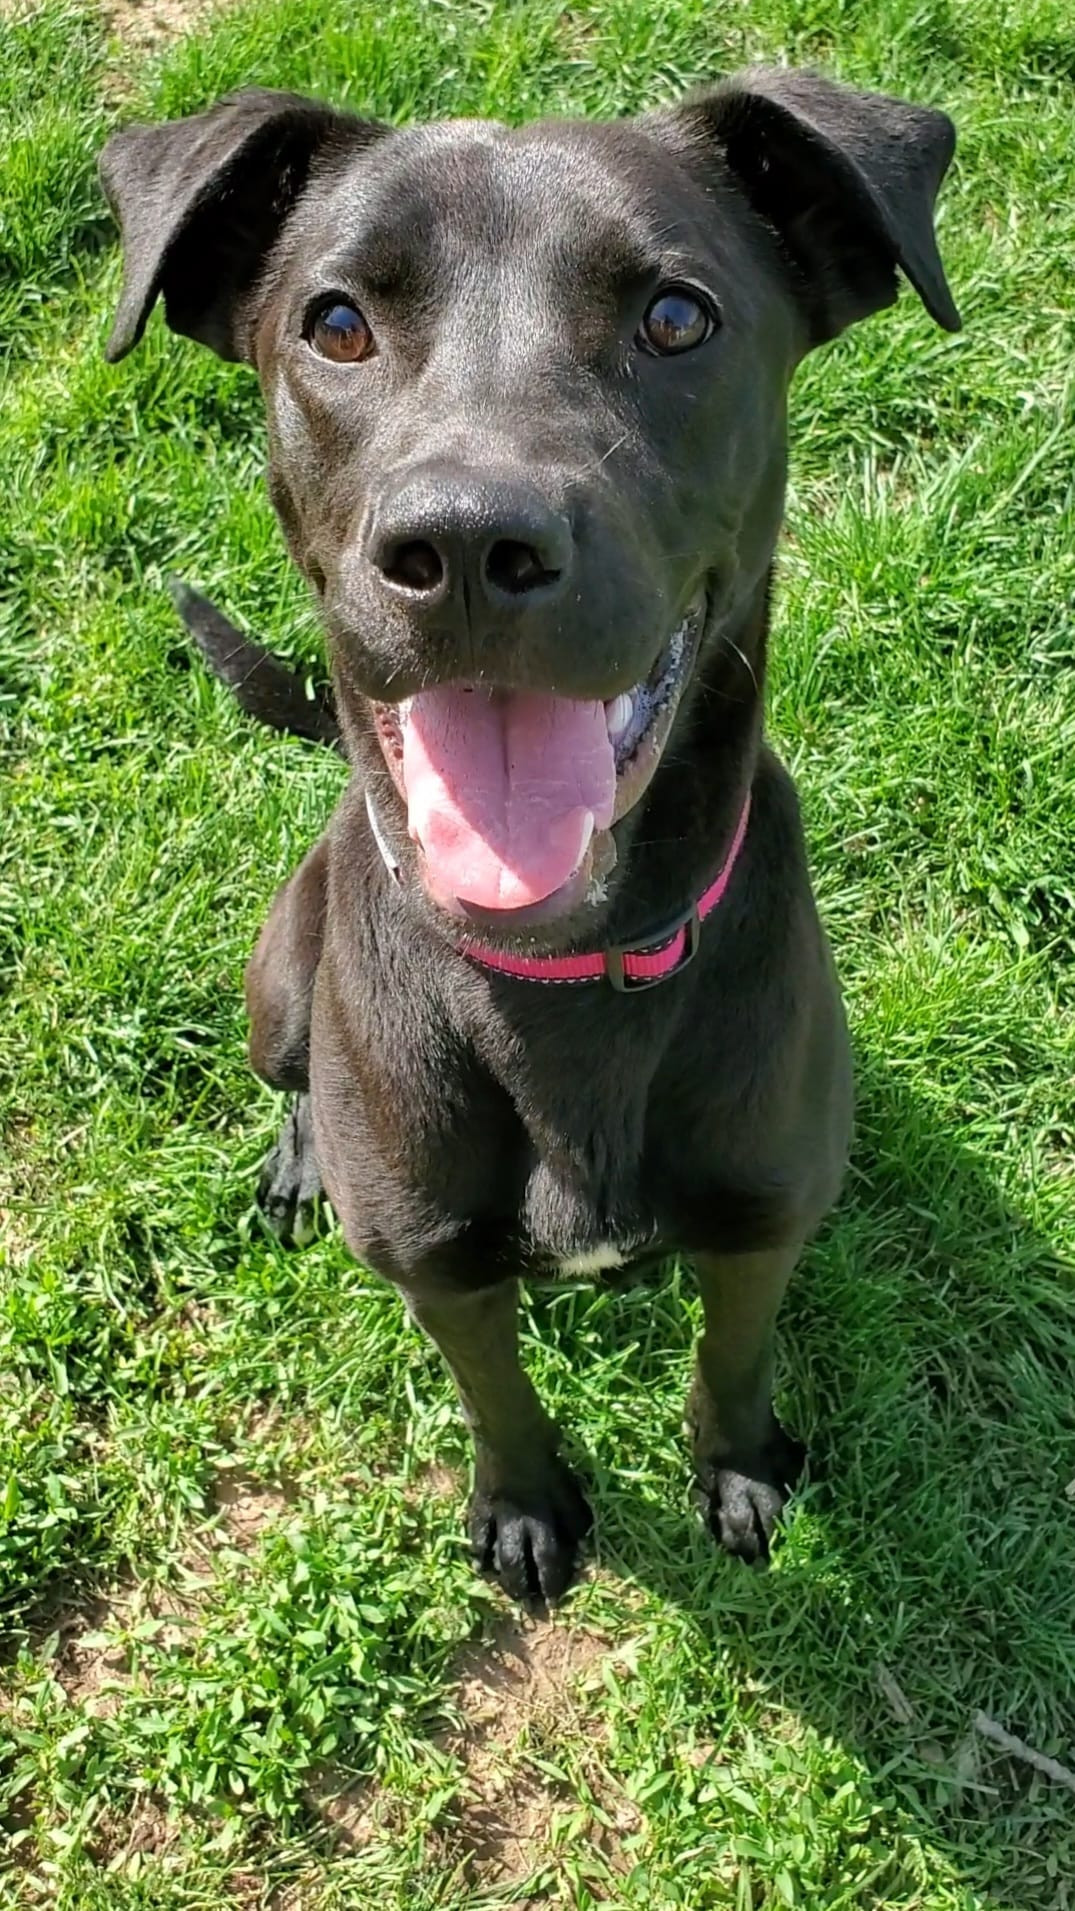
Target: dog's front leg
column 279, row 992
column 289, row 1190
column 528, row 1513
column 744, row 1461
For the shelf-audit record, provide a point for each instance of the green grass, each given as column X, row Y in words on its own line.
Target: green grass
column 185, row 1682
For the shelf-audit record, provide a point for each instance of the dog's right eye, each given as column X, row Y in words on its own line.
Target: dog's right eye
column 678, row 319
column 338, row 331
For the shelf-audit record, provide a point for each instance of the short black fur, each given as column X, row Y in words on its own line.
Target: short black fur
column 471, row 1128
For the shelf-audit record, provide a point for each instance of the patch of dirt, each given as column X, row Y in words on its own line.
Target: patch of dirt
column 244, row 1501
column 16, row 1242
column 524, row 1667
column 24, row 1184
column 354, row 1811
column 141, row 25
column 247, row 1505
column 247, row 1891
column 441, row 1482
column 434, row 1482
column 120, row 1841
column 516, row 1692
column 85, row 1669
column 174, row 1611
column 506, row 1830
column 93, row 1677
column 521, row 1682
column 95, row 1668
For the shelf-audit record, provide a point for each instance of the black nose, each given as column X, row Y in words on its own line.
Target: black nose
column 448, row 535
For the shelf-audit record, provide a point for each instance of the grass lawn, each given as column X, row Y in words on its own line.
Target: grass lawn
column 244, row 1660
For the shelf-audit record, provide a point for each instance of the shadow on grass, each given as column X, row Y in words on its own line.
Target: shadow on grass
column 928, row 1577
column 928, row 1573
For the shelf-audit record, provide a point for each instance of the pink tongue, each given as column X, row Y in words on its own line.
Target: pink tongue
column 504, row 790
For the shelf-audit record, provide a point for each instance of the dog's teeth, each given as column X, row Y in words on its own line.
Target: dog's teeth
column 618, row 713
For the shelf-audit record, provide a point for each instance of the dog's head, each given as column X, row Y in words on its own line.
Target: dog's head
column 526, row 396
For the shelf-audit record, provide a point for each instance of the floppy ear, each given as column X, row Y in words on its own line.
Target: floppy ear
column 201, row 201
column 846, row 180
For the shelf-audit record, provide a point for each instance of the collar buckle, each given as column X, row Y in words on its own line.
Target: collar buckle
column 627, row 984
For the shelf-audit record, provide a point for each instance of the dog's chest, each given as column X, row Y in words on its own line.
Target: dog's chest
column 581, row 1097
column 600, row 1259
column 583, row 1211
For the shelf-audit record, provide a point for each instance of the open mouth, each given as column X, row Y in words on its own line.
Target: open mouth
column 512, row 795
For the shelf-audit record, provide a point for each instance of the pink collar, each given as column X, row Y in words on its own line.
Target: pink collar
column 662, row 954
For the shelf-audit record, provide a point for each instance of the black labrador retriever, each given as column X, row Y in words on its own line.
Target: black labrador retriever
column 552, row 989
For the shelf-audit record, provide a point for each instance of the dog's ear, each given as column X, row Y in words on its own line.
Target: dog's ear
column 846, row 180
column 201, row 201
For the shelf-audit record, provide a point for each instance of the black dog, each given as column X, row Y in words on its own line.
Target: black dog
column 526, row 393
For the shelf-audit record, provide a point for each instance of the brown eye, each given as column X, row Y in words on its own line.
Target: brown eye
column 677, row 320
column 338, row 331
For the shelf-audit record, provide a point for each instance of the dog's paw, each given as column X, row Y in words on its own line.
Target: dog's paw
column 528, row 1539
column 289, row 1193
column 743, row 1498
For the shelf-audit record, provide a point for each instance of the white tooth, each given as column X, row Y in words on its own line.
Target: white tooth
column 618, row 713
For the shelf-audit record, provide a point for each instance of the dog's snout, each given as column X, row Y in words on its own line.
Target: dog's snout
column 454, row 536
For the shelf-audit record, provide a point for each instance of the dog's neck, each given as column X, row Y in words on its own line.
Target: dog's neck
column 673, row 843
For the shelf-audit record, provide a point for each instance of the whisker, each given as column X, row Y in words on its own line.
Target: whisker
column 744, row 660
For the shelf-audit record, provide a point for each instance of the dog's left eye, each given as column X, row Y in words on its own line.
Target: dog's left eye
column 677, row 320
column 338, row 331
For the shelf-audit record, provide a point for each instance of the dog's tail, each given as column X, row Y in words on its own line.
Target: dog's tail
column 261, row 684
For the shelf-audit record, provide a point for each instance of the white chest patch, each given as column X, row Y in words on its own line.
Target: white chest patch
column 595, row 1260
